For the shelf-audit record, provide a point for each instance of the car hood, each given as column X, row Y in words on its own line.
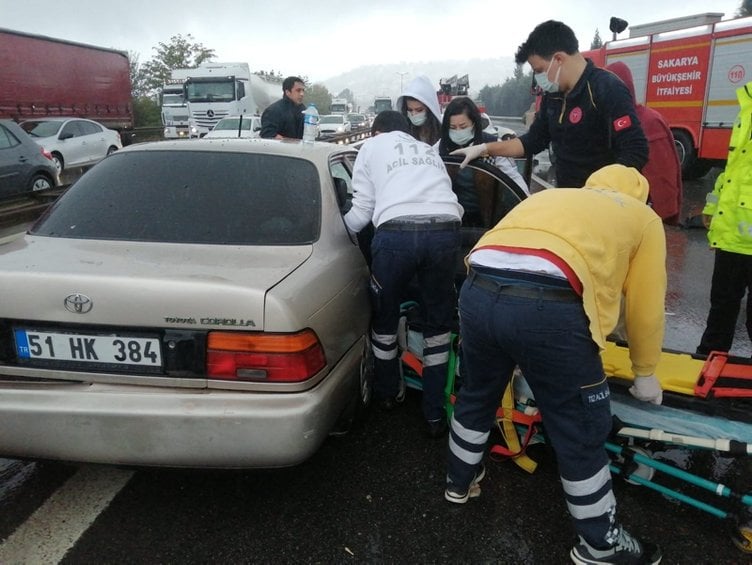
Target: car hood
column 142, row 284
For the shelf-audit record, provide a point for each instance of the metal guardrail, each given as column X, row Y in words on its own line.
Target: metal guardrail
column 347, row 137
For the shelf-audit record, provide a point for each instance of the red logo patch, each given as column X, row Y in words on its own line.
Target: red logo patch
column 575, row 115
column 622, row 123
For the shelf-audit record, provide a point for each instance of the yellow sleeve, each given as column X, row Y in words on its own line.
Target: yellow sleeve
column 645, row 295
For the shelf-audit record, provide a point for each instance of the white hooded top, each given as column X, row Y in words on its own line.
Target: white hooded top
column 421, row 88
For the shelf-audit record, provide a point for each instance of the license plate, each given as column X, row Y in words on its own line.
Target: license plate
column 88, row 348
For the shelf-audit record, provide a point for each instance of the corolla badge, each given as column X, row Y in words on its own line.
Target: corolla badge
column 78, row 303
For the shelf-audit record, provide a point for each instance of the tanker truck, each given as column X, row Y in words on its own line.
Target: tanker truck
column 214, row 91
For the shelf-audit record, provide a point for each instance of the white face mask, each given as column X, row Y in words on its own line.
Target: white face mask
column 541, row 79
column 418, row 118
column 462, row 136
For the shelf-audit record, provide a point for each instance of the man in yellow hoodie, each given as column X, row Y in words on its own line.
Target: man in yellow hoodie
column 543, row 292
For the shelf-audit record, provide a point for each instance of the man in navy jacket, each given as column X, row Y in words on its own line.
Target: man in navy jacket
column 586, row 113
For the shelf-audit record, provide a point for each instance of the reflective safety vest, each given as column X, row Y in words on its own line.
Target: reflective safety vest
column 730, row 203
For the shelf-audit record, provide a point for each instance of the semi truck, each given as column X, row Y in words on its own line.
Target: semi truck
column 340, row 106
column 214, row 91
column 43, row 76
column 382, row 103
column 175, row 117
column 688, row 69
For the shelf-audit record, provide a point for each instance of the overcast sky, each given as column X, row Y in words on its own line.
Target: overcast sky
column 323, row 38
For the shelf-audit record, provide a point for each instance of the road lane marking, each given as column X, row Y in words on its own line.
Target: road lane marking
column 56, row 525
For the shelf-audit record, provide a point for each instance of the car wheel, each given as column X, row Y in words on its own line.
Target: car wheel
column 57, row 158
column 40, row 182
column 356, row 410
column 111, row 149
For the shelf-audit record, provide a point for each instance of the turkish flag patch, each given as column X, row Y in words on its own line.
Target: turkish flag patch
column 622, row 123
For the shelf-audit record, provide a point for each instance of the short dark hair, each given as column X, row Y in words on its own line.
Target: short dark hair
column 289, row 83
column 545, row 40
column 389, row 120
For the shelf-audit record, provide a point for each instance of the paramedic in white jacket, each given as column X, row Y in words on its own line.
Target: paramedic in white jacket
column 400, row 184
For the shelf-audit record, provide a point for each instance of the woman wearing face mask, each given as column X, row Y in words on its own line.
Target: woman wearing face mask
column 420, row 105
column 462, row 126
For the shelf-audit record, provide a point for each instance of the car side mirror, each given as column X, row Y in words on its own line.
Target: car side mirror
column 66, row 135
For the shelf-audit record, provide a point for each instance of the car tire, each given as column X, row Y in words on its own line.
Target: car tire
column 40, row 182
column 57, row 158
column 357, row 409
column 111, row 149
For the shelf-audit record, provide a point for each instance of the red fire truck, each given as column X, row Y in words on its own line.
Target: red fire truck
column 688, row 69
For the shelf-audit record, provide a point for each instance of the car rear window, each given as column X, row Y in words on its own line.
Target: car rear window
column 191, row 197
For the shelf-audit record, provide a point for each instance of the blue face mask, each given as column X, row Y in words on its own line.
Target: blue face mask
column 541, row 79
column 418, row 118
column 462, row 136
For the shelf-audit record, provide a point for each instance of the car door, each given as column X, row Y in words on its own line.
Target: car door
column 486, row 194
column 93, row 138
column 72, row 145
column 14, row 163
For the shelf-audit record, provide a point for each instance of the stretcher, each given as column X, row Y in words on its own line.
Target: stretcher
column 707, row 405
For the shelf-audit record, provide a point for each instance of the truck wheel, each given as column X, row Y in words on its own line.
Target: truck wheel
column 59, row 163
column 691, row 166
column 40, row 182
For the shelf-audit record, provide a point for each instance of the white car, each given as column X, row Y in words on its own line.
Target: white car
column 334, row 123
column 236, row 126
column 73, row 142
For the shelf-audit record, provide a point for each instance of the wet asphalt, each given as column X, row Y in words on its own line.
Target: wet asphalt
column 375, row 495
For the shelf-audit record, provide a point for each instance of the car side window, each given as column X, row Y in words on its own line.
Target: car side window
column 486, row 193
column 342, row 178
column 71, row 129
column 7, row 139
column 87, row 128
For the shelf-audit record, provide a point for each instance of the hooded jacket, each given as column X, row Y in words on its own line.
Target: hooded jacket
column 730, row 203
column 611, row 241
column 663, row 169
column 422, row 89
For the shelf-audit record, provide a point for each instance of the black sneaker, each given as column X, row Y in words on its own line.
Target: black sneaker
column 627, row 550
column 453, row 494
column 389, row 403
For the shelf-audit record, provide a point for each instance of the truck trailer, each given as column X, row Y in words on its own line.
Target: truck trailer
column 43, row 76
column 688, row 69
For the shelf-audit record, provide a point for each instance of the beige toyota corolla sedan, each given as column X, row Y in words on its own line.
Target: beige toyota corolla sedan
column 187, row 304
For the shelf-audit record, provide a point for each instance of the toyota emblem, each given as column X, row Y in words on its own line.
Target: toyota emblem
column 210, row 113
column 78, row 303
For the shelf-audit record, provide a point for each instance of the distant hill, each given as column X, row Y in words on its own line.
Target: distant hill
column 370, row 81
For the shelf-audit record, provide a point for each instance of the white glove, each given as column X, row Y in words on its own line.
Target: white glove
column 470, row 153
column 647, row 388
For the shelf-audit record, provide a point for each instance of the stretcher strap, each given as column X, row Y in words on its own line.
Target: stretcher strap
column 723, row 379
column 506, row 418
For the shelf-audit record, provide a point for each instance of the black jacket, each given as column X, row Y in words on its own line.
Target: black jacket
column 593, row 126
column 285, row 118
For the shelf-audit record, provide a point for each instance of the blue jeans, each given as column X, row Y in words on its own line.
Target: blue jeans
column 399, row 257
column 551, row 343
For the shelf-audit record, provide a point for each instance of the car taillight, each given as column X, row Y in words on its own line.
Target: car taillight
column 46, row 153
column 264, row 356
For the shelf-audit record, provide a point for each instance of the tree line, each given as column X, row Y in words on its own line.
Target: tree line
column 513, row 97
column 183, row 52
